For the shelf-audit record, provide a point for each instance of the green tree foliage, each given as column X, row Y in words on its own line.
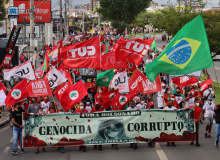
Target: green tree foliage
column 122, row 10
column 2, row 9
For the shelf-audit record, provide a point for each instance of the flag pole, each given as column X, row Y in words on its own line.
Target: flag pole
column 216, row 79
column 100, row 53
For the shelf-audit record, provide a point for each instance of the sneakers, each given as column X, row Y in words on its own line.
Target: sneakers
column 14, row 152
column 192, row 143
column 216, row 143
column 173, row 144
column 22, row 151
column 209, row 136
column 197, row 145
column 206, row 135
column 168, row 143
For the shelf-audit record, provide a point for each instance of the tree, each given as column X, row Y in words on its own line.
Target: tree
column 122, row 10
column 2, row 9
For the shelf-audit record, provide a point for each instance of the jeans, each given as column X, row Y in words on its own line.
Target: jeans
column 217, row 131
column 17, row 132
column 197, row 132
column 61, row 148
column 167, row 79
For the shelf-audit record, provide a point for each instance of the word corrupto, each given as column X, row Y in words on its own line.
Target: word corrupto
column 137, row 47
column 82, row 51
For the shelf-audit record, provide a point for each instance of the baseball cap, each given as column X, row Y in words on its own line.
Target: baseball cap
column 151, row 103
column 172, row 96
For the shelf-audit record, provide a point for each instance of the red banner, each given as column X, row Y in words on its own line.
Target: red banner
column 42, row 12
column 184, row 81
column 133, row 50
column 82, row 55
column 204, row 85
column 147, row 86
column 39, row 88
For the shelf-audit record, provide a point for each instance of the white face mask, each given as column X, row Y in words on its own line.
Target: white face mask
column 41, row 112
column 197, row 104
column 201, row 89
column 210, row 89
column 81, row 107
column 168, row 91
column 200, row 82
column 0, row 80
column 142, row 102
column 87, row 102
column 172, row 99
column 100, row 91
column 210, row 102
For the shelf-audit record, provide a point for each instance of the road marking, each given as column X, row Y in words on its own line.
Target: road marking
column 12, row 139
column 160, row 152
column 217, row 68
column 4, row 128
column 6, row 150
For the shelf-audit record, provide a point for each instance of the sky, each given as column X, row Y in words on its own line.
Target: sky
column 55, row 3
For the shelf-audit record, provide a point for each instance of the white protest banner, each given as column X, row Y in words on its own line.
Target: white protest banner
column 55, row 77
column 120, row 82
column 2, row 97
column 24, row 70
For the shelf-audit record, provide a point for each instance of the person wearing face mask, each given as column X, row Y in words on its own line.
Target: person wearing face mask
column 175, row 103
column 88, row 106
column 209, row 93
column 189, row 100
column 186, row 90
column 170, row 106
column 179, row 97
column 17, row 128
column 34, row 107
column 45, row 104
column 149, row 59
column 81, row 108
column 197, row 118
column 208, row 111
column 199, row 95
column 140, row 105
column 52, row 108
column 98, row 96
column 166, row 96
column 94, row 88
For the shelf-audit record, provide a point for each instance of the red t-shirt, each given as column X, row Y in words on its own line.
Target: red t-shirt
column 175, row 103
column 166, row 98
column 99, row 100
column 95, row 110
column 197, row 111
column 54, row 111
column 78, row 111
column 195, row 94
column 76, row 73
column 94, row 89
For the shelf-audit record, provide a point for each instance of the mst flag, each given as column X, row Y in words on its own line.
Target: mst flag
column 55, row 77
column 24, row 70
column 73, row 95
column 39, row 88
column 104, row 78
column 61, row 89
column 110, row 98
column 132, row 50
column 82, row 55
column 187, row 52
column 17, row 93
column 120, row 82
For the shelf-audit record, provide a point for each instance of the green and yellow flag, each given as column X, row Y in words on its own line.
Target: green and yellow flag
column 154, row 46
column 187, row 52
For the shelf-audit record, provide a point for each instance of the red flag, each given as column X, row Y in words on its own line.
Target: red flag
column 64, row 72
column 204, row 85
column 3, row 87
column 184, row 81
column 61, row 89
column 60, row 43
column 131, row 67
column 73, row 95
column 110, row 98
column 102, row 38
column 54, row 45
column 82, row 55
column 39, row 88
column 48, row 49
column 109, row 62
column 132, row 50
column 39, row 71
column 87, row 85
column 17, row 93
column 147, row 87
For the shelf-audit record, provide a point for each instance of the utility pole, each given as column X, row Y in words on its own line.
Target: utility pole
column 31, row 11
column 61, row 21
column 83, row 18
column 24, row 30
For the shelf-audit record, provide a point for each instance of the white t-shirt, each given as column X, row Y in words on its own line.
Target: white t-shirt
column 140, row 106
column 129, row 108
column 190, row 102
column 206, row 93
column 148, row 61
column 88, row 108
column 209, row 110
column 172, row 108
column 45, row 106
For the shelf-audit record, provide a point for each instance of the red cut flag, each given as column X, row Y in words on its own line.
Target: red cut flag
column 82, row 55
column 109, row 62
column 148, row 87
column 62, row 69
column 39, row 88
column 17, row 93
column 132, row 50
column 61, row 89
column 184, row 81
column 110, row 98
column 3, row 87
column 60, row 43
column 204, row 85
column 73, row 95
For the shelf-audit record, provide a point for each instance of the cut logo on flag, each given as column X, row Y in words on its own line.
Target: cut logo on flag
column 16, row 93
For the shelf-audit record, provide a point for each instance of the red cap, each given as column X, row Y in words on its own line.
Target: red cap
column 172, row 96
column 151, row 103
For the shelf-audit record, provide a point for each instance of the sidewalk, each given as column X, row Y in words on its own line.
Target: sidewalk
column 4, row 117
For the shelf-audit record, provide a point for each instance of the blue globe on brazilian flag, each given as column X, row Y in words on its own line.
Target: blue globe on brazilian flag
column 187, row 52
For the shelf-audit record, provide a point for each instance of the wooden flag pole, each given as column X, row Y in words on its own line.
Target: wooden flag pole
column 216, row 79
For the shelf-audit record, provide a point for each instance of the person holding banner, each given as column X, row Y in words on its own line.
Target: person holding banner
column 209, row 93
column 52, row 108
column 45, row 104
column 34, row 107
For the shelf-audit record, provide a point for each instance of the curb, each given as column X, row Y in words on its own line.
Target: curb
column 4, row 122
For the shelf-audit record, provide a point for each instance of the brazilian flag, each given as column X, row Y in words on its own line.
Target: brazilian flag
column 154, row 46
column 187, row 52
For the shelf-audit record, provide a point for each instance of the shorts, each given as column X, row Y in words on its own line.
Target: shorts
column 209, row 121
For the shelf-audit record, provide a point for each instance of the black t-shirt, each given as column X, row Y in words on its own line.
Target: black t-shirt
column 17, row 115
